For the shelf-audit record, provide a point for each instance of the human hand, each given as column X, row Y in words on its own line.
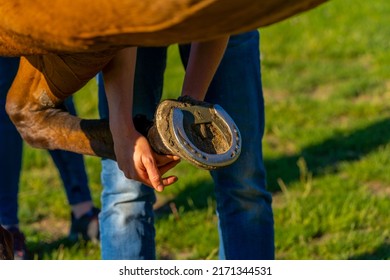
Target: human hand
column 138, row 161
column 133, row 153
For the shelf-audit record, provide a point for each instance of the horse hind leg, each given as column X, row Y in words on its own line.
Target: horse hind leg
column 35, row 104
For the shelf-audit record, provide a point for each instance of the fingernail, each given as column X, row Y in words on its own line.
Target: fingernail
column 160, row 188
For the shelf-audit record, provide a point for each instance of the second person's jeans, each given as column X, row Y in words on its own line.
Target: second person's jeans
column 70, row 165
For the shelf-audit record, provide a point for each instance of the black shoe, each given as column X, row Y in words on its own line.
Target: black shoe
column 20, row 249
column 85, row 227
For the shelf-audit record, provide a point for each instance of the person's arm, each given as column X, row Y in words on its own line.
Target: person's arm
column 202, row 64
column 133, row 152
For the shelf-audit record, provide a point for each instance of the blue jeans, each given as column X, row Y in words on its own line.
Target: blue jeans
column 243, row 204
column 70, row 165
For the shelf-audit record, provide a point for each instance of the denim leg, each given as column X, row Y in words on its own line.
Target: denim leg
column 126, row 219
column 243, row 204
column 10, row 148
column 72, row 169
column 73, row 175
column 102, row 99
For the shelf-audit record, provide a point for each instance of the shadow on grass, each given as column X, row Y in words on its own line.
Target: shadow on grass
column 195, row 196
column 327, row 155
column 380, row 253
column 56, row 248
column 321, row 158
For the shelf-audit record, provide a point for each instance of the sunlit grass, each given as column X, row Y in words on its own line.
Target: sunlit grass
column 326, row 78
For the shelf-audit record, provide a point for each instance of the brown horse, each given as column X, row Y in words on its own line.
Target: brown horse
column 64, row 46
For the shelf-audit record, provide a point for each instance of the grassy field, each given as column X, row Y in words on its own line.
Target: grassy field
column 326, row 78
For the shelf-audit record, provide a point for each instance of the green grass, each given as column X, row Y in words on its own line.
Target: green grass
column 326, row 78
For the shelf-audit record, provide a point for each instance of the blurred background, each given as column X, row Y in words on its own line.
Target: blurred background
column 326, row 79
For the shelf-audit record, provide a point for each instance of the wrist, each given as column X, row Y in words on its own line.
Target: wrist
column 194, row 95
column 122, row 126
